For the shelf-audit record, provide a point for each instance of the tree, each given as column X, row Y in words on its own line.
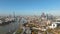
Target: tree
column 19, row 31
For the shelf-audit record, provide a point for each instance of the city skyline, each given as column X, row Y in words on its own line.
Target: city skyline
column 29, row 7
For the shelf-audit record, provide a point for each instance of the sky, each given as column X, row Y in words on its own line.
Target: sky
column 29, row 7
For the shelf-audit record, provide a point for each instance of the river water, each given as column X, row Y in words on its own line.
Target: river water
column 12, row 26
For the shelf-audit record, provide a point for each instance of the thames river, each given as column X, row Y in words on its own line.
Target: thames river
column 10, row 27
